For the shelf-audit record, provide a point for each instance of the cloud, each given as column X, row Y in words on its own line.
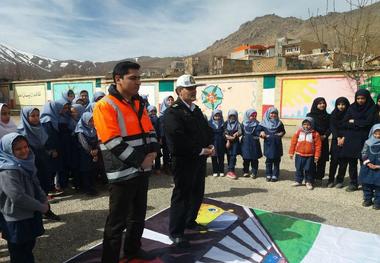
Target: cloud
column 115, row 29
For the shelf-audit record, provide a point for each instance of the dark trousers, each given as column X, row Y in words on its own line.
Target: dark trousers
column 320, row 169
column 305, row 168
column 254, row 165
column 127, row 209
column 166, row 156
column 157, row 162
column 371, row 191
column 188, row 192
column 334, row 163
column 272, row 168
column 21, row 253
column 231, row 159
column 88, row 180
column 352, row 169
column 217, row 164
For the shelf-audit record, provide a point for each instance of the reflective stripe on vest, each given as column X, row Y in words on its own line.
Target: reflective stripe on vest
column 120, row 118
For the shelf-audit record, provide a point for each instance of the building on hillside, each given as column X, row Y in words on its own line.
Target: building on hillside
column 250, row 52
column 196, row 66
column 176, row 68
column 296, row 47
column 224, row 65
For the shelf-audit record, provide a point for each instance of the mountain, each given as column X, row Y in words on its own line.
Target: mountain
column 264, row 30
column 18, row 65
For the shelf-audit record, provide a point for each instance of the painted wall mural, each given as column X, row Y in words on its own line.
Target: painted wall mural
column 297, row 95
column 229, row 94
column 77, row 87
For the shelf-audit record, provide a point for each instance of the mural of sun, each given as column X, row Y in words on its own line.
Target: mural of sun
column 212, row 96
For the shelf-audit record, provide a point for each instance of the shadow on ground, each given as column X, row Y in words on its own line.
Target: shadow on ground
column 234, row 192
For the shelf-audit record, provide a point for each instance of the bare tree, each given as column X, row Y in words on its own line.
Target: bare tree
column 350, row 35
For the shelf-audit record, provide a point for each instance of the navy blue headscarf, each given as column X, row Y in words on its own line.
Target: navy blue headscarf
column 51, row 112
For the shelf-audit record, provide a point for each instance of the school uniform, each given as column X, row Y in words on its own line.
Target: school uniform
column 306, row 145
column 74, row 156
column 219, row 143
column 356, row 133
column 88, row 141
column 156, row 124
column 273, row 149
column 336, row 127
column 250, row 144
column 231, row 128
column 369, row 178
column 21, row 202
column 166, row 156
column 6, row 128
column 97, row 96
column 50, row 118
column 321, row 125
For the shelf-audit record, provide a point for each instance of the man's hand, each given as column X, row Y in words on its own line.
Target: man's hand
column 148, row 161
column 291, row 156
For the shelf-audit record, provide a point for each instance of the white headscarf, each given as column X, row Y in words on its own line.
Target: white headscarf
column 6, row 128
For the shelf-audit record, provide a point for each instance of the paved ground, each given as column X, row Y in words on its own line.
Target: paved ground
column 83, row 218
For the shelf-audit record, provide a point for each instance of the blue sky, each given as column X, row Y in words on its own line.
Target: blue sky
column 115, row 29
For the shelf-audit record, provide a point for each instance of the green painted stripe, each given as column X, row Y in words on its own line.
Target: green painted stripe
column 293, row 236
column 166, row 85
column 269, row 82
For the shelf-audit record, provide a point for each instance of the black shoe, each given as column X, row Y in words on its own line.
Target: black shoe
column 376, row 207
column 367, row 203
column 268, row 179
column 197, row 227
column 274, row 179
column 140, row 254
column 92, row 193
column 51, row 216
column 318, row 182
column 180, row 242
column 352, row 188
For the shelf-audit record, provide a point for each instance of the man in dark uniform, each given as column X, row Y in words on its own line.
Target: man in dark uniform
column 189, row 140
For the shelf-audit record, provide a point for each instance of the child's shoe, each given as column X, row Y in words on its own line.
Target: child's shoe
column 231, row 175
column 268, row 178
column 274, row 179
column 295, row 184
column 222, row 175
column 215, row 174
column 246, row 175
column 352, row 188
column 367, row 203
column 330, row 185
column 253, row 176
column 309, row 186
column 339, row 185
column 376, row 207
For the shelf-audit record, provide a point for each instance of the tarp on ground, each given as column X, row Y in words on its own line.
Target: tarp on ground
column 241, row 234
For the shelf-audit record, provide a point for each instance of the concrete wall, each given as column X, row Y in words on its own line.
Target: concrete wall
column 292, row 92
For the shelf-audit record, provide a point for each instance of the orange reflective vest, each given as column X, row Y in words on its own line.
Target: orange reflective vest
column 126, row 135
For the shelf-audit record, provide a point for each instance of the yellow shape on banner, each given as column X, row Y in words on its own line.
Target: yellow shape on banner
column 298, row 91
column 208, row 213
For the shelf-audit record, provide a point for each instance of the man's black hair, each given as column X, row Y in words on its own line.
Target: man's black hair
column 123, row 67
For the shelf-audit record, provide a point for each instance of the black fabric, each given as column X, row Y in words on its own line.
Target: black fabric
column 321, row 117
column 357, row 124
column 377, row 116
column 127, row 210
column 22, row 252
column 334, row 164
column 186, row 131
column 322, row 126
column 189, row 184
column 218, row 164
column 337, row 116
column 352, row 170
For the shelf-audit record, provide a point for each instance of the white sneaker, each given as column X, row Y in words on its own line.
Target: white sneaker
column 309, row 186
column 295, row 184
column 246, row 175
column 215, row 174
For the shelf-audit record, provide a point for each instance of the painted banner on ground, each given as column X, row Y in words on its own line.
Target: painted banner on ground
column 241, row 234
column 297, row 95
